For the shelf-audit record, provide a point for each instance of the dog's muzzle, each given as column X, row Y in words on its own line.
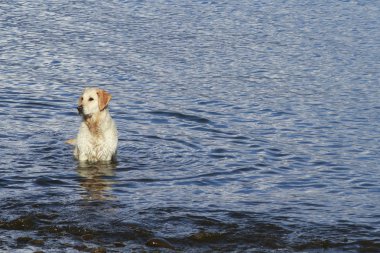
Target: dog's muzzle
column 80, row 109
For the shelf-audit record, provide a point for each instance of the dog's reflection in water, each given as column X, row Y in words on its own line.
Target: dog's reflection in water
column 96, row 180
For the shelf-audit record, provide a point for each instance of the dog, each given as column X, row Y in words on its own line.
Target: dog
column 97, row 137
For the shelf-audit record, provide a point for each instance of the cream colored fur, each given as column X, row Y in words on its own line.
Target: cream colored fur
column 97, row 137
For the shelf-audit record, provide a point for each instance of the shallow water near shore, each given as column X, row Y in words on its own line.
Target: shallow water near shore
column 243, row 127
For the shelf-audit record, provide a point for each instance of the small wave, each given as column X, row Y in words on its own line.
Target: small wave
column 181, row 116
column 48, row 181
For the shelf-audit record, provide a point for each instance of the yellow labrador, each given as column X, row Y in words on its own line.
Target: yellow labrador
column 97, row 136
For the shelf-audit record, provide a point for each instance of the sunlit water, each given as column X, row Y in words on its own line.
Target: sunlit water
column 245, row 126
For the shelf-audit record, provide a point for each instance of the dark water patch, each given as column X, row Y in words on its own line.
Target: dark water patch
column 276, row 153
column 262, row 165
column 181, row 116
column 369, row 246
column 152, row 137
column 47, row 181
column 242, row 231
column 221, row 156
column 37, row 105
column 212, row 130
column 159, row 243
column 21, row 223
column 184, row 143
column 208, row 237
column 265, row 236
column 28, row 240
column 339, row 243
column 244, row 140
column 318, row 244
column 219, row 150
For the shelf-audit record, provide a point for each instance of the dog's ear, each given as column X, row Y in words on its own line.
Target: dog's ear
column 104, row 99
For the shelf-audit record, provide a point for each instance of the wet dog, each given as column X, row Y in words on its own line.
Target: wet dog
column 97, row 137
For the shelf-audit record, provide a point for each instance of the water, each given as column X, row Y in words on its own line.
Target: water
column 244, row 127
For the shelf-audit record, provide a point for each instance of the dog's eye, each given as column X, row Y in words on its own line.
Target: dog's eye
column 81, row 98
column 90, row 99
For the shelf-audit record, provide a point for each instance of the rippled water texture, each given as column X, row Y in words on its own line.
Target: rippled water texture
column 245, row 126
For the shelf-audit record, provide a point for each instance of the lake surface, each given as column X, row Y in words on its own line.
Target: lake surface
column 246, row 126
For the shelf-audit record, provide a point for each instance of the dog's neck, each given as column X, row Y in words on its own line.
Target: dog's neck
column 94, row 121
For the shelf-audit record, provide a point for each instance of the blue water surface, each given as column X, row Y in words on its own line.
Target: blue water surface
column 244, row 126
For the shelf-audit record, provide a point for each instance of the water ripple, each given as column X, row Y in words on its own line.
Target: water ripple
column 243, row 126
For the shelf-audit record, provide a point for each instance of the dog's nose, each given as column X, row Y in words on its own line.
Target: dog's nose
column 80, row 109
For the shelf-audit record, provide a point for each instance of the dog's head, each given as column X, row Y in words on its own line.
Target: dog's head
column 93, row 100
